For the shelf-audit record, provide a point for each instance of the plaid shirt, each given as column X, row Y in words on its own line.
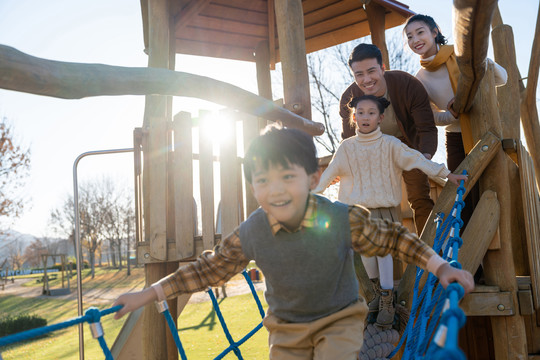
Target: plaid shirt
column 370, row 237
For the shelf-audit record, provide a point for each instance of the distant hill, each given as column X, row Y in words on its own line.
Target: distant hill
column 14, row 238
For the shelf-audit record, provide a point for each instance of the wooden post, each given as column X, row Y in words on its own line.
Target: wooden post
column 157, row 114
column 264, row 81
column 509, row 337
column 376, row 15
column 508, row 95
column 292, row 51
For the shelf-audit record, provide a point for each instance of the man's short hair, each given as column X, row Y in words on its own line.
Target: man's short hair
column 281, row 146
column 365, row 51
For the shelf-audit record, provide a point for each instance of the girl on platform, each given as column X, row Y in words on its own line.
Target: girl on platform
column 370, row 167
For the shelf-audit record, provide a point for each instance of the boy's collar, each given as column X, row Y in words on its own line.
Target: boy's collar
column 307, row 222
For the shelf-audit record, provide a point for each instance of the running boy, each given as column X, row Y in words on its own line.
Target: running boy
column 370, row 166
column 302, row 243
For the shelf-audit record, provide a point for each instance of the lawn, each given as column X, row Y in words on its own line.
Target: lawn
column 199, row 328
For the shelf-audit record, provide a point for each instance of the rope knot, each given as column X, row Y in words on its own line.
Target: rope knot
column 93, row 314
column 456, row 239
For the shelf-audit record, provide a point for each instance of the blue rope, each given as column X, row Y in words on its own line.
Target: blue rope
column 174, row 332
column 29, row 334
column 92, row 316
column 234, row 346
column 418, row 333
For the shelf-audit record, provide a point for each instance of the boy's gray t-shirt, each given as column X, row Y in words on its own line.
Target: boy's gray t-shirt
column 309, row 273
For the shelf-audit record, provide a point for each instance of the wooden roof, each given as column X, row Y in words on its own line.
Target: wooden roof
column 232, row 28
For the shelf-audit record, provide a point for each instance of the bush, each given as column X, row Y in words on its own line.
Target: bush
column 12, row 325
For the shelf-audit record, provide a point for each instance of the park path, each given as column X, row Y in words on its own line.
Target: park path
column 107, row 296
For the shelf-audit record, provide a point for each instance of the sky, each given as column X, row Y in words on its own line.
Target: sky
column 110, row 32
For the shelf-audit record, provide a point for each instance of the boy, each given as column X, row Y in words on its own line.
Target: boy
column 302, row 243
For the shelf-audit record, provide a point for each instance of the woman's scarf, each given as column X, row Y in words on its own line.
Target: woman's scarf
column 446, row 55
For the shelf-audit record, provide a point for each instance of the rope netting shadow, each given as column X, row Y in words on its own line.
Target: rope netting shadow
column 93, row 316
column 431, row 308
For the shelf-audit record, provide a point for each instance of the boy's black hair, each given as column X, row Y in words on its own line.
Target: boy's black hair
column 428, row 20
column 283, row 146
column 365, row 51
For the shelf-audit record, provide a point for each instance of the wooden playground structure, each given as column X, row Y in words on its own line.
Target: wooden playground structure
column 503, row 234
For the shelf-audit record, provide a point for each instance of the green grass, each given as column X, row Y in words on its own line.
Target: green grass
column 199, row 327
column 103, row 278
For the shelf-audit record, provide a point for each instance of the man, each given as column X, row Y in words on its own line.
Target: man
column 409, row 117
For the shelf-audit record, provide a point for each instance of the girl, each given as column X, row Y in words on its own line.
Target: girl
column 369, row 166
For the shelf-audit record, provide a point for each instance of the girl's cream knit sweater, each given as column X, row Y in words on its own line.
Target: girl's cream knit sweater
column 370, row 167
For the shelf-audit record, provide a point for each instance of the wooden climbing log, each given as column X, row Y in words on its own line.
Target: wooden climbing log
column 529, row 113
column 509, row 336
column 25, row 73
column 292, row 52
column 471, row 34
column 475, row 163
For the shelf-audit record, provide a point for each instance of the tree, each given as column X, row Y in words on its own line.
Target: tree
column 33, row 252
column 102, row 217
column 14, row 167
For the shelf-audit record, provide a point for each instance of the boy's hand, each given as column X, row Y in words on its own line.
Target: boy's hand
column 448, row 274
column 133, row 301
column 455, row 178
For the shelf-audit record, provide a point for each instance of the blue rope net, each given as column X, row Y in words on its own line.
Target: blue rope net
column 93, row 316
column 432, row 302
column 234, row 345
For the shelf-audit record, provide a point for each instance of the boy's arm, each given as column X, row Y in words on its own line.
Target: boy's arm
column 379, row 237
column 210, row 269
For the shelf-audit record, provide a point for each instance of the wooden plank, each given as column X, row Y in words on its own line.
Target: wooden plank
column 206, row 170
column 339, row 21
column 488, row 304
column 233, row 13
column 219, row 37
column 228, row 161
column 183, row 186
column 253, row 5
column 332, row 10
column 209, row 49
column 474, row 163
column 228, row 26
column 127, row 344
column 480, row 231
column 157, row 170
column 187, row 13
column 531, row 209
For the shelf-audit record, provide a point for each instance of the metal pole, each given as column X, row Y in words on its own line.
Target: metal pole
column 78, row 240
